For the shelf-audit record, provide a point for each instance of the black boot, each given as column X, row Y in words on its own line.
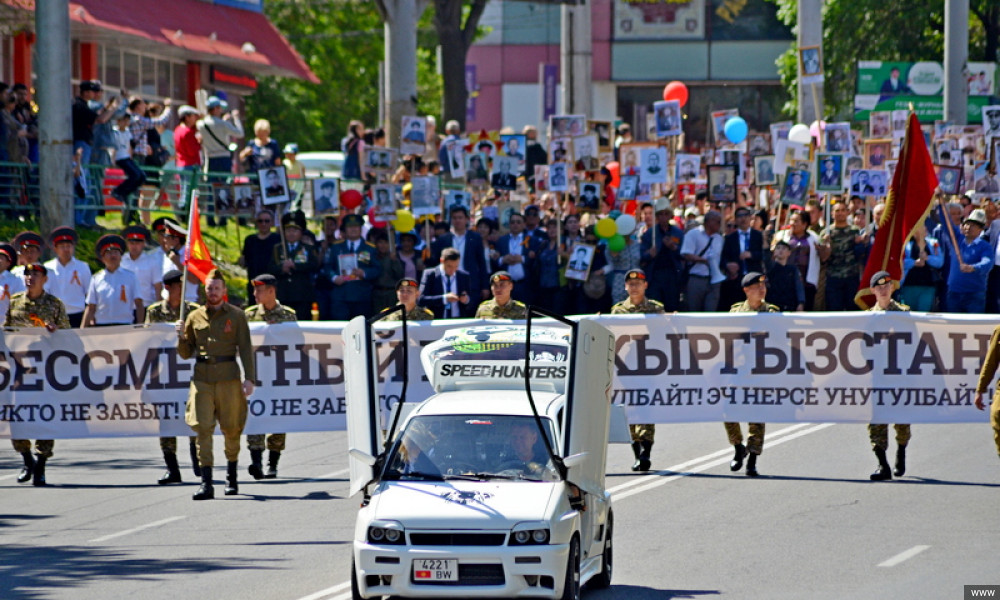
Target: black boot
column 636, row 450
column 39, row 472
column 644, row 457
column 900, row 461
column 29, row 468
column 740, row 453
column 882, row 473
column 173, row 472
column 232, row 488
column 255, row 470
column 752, row 465
column 272, row 464
column 194, row 459
column 206, row 491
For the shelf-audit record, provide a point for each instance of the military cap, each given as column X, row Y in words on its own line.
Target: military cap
column 28, row 238
column 215, row 274
column 9, row 251
column 136, row 232
column 160, row 224
column 407, row 282
column 36, row 268
column 880, row 278
column 635, row 274
column 63, row 234
column 294, row 219
column 351, row 219
column 110, row 240
column 172, row 276
column 501, row 276
column 531, row 208
column 174, row 229
column 783, row 243
column 264, row 279
column 753, row 278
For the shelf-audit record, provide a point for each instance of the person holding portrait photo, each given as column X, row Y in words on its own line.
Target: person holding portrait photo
column 580, row 259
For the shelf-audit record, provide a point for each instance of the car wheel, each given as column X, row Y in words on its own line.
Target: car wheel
column 355, row 592
column 571, row 587
column 603, row 578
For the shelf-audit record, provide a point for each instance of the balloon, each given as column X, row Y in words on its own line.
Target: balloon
column 404, row 220
column 614, row 214
column 616, row 175
column 676, row 90
column 626, row 224
column 629, row 207
column 375, row 222
column 799, row 133
column 616, row 243
column 605, row 228
column 351, row 199
column 816, row 127
column 735, row 130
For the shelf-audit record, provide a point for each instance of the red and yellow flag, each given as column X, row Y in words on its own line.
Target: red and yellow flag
column 196, row 256
column 906, row 206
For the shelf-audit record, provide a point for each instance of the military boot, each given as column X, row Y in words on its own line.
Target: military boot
column 272, row 464
column 206, row 491
column 29, row 468
column 232, row 487
column 194, row 458
column 752, row 465
column 173, row 472
column 255, row 470
column 636, row 449
column 644, row 457
column 738, row 455
column 900, row 461
column 882, row 473
column 39, row 472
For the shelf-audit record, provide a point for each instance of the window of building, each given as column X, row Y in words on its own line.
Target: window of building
column 142, row 74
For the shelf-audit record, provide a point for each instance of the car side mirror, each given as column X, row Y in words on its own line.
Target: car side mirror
column 574, row 460
column 363, row 456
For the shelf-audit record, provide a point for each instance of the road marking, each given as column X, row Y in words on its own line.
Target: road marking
column 903, row 556
column 12, row 476
column 135, row 529
column 330, row 475
column 330, row 590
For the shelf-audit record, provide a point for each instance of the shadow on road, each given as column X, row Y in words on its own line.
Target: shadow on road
column 8, row 520
column 638, row 592
column 309, row 496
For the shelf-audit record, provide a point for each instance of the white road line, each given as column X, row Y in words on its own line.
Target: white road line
column 903, row 556
column 135, row 529
column 330, row 475
column 11, row 476
column 330, row 590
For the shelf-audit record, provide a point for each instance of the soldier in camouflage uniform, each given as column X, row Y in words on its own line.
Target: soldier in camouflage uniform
column 169, row 311
column 643, row 435
column 35, row 308
column 502, row 306
column 755, row 289
column 407, row 293
column 270, row 311
column 882, row 286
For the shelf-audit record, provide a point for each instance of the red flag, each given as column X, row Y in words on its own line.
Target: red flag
column 909, row 199
column 196, row 256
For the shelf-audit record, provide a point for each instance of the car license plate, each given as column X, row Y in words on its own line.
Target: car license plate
column 435, row 569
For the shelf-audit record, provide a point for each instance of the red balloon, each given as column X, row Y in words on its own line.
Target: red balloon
column 351, row 199
column 616, row 175
column 676, row 90
column 629, row 206
column 375, row 222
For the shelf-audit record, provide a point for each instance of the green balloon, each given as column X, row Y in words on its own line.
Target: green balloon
column 616, row 243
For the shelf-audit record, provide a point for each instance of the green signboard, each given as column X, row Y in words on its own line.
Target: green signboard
column 928, row 108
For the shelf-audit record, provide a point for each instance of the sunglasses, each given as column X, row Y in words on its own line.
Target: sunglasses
column 264, row 221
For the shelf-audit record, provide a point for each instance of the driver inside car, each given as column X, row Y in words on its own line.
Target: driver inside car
column 417, row 451
column 524, row 453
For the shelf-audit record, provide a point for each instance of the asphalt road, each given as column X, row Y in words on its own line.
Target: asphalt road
column 812, row 526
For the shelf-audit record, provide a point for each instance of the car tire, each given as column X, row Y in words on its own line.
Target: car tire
column 603, row 578
column 571, row 585
column 355, row 591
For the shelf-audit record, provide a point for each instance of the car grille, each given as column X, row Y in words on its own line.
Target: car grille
column 457, row 539
column 471, row 574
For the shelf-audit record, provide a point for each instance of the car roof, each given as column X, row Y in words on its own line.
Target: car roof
column 491, row 402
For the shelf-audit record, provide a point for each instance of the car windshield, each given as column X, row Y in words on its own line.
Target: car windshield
column 477, row 447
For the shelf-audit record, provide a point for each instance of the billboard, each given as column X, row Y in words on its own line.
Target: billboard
column 886, row 86
column 659, row 19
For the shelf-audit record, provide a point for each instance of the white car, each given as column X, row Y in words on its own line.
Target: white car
column 322, row 164
column 478, row 496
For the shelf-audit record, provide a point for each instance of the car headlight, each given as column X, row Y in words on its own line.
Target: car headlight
column 529, row 536
column 386, row 532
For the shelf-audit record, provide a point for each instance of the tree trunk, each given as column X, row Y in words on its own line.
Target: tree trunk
column 401, row 64
column 453, row 54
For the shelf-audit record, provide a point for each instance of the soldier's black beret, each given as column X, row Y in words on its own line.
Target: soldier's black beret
column 753, row 278
column 880, row 278
column 407, row 282
column 501, row 276
column 635, row 274
column 265, row 279
column 172, row 276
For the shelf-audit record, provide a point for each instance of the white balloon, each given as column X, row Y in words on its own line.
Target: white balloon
column 626, row 224
column 799, row 133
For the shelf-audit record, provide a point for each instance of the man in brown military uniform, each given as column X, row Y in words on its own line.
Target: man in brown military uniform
column 270, row 311
column 985, row 379
column 35, row 308
column 408, row 292
column 755, row 289
column 502, row 306
column 643, row 435
column 169, row 311
column 882, row 286
column 213, row 335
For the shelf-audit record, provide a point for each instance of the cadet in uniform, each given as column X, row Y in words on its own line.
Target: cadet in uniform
column 643, row 435
column 502, row 306
column 352, row 291
column 113, row 295
column 270, row 311
column 29, row 251
column 10, row 284
column 408, row 292
column 148, row 270
column 295, row 267
column 213, row 335
column 69, row 277
column 755, row 289
column 169, row 311
column 35, row 308
column 882, row 286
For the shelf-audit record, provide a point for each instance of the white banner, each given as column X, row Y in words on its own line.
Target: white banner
column 801, row 367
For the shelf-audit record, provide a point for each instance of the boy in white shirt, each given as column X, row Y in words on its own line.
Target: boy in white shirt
column 134, row 177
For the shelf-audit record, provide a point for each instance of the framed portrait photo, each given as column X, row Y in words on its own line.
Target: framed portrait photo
column 456, row 159
column 586, row 153
column 589, row 198
column 877, row 152
column 719, row 119
column 581, row 257
column 722, row 183
column 424, row 196
column 380, row 161
column 541, row 178
column 758, row 144
column 949, row 178
column 991, row 120
column 829, row 172
column 668, row 118
column 326, row 196
column 246, row 201
column 628, row 187
column 558, row 177
column 605, row 134
column 273, row 186
column 222, row 199
column 653, row 162
column 476, row 169
column 796, row 189
column 384, row 200
column 763, row 170
column 567, row 125
column 879, row 124
column 688, row 168
column 413, row 135
column 513, row 145
column 838, row 137
column 561, row 149
column 810, row 64
column 504, row 175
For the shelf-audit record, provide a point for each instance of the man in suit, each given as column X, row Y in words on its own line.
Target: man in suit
column 894, row 86
column 445, row 290
column 470, row 248
column 742, row 253
column 517, row 251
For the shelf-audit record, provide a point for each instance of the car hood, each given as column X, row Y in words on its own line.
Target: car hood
column 465, row 504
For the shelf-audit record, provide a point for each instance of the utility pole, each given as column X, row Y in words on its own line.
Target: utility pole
column 956, row 56
column 810, row 33
column 575, row 59
column 55, row 123
column 400, row 18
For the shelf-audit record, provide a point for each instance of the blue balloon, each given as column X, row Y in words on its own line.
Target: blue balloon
column 735, row 130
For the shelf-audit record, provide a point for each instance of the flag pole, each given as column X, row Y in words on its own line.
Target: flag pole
column 192, row 214
column 946, row 219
